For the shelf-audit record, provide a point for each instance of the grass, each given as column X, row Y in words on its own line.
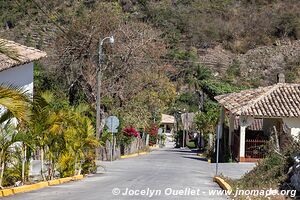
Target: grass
column 191, row 144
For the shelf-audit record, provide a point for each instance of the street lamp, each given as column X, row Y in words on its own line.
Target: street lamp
column 101, row 61
column 184, row 128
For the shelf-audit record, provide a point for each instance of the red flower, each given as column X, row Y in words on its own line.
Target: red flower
column 130, row 131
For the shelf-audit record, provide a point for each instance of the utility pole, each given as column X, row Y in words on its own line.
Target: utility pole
column 219, row 132
column 99, row 78
column 98, row 101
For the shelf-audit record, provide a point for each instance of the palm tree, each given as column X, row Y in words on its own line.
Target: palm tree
column 14, row 104
column 61, row 132
column 80, row 135
column 8, row 136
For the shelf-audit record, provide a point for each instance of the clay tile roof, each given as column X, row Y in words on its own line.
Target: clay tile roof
column 257, row 124
column 280, row 100
column 167, row 119
column 22, row 53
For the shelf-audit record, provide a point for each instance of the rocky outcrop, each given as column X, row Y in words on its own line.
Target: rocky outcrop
column 265, row 62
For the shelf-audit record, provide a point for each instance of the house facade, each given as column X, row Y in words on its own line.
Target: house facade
column 17, row 70
column 274, row 111
column 167, row 124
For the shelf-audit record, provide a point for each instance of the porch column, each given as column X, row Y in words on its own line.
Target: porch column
column 242, row 143
column 231, row 129
column 245, row 121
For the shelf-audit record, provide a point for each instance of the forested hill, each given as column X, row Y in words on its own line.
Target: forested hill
column 161, row 45
column 250, row 37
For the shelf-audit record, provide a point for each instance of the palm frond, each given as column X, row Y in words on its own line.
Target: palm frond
column 15, row 101
column 8, row 51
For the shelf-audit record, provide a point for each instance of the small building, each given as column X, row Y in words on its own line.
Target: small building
column 17, row 69
column 168, row 122
column 268, row 110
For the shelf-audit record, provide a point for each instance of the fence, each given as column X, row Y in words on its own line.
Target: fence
column 137, row 145
column 255, row 148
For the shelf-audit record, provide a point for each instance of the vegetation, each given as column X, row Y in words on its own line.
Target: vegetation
column 154, row 67
column 271, row 172
column 64, row 136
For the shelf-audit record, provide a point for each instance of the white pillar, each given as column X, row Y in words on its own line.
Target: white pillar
column 147, row 140
column 242, row 141
column 231, row 129
column 245, row 121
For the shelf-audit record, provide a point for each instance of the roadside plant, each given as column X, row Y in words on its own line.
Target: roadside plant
column 153, row 134
column 130, row 132
column 14, row 116
column 64, row 135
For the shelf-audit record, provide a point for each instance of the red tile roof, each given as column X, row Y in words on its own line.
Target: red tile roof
column 280, row 100
column 257, row 124
column 22, row 54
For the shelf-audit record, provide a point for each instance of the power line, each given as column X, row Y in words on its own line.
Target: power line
column 166, row 60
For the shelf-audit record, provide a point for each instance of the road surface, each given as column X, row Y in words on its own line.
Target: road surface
column 166, row 174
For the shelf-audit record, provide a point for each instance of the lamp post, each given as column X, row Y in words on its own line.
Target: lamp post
column 185, row 124
column 101, row 61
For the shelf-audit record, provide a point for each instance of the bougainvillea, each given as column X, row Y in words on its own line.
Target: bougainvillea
column 130, row 131
column 153, row 133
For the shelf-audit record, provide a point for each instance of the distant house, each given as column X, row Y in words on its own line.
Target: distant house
column 18, row 71
column 167, row 123
column 261, row 113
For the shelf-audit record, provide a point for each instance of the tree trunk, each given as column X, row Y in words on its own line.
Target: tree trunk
column 24, row 163
column 2, row 172
column 79, row 168
column 75, row 165
column 42, row 164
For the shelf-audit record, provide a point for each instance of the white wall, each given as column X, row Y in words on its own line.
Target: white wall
column 21, row 76
column 294, row 125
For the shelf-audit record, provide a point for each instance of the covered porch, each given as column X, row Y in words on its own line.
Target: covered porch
column 256, row 115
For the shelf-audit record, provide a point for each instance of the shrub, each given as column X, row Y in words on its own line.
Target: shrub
column 153, row 134
column 66, row 165
column 130, row 132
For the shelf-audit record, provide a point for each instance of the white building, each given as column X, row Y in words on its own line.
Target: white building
column 168, row 122
column 17, row 70
column 276, row 106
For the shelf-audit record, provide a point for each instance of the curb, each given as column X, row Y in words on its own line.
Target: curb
column 28, row 188
column 222, row 183
column 201, row 156
column 134, row 155
column 154, row 147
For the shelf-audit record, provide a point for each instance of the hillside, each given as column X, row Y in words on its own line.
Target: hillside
column 261, row 36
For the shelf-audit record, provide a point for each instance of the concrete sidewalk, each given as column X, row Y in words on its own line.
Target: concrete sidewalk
column 234, row 170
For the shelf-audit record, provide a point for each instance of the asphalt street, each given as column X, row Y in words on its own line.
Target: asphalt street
column 165, row 174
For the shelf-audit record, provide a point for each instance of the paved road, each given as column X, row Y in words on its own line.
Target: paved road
column 161, row 169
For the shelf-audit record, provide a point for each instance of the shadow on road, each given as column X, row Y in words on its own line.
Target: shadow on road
column 195, row 158
column 194, row 151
